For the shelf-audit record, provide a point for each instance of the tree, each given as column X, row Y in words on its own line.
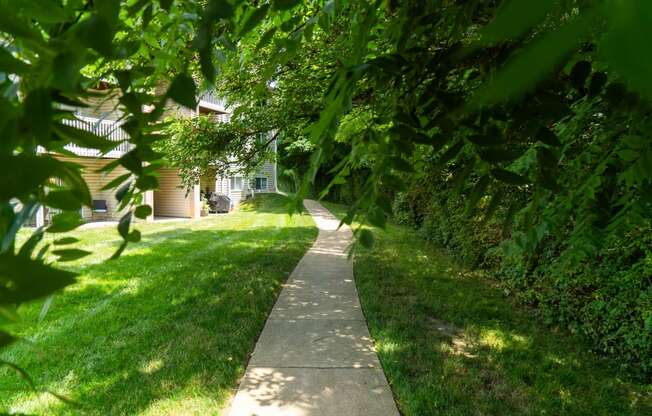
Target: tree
column 502, row 95
column 533, row 114
column 51, row 55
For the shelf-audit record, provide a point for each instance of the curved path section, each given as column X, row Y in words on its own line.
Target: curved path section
column 315, row 356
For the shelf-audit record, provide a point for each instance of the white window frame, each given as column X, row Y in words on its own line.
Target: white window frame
column 234, row 181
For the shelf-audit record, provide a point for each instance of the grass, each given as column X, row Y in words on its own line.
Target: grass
column 451, row 343
column 167, row 329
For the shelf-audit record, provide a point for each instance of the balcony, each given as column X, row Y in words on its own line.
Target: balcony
column 109, row 129
column 211, row 101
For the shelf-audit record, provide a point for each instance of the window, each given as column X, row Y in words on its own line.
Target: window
column 261, row 184
column 236, row 183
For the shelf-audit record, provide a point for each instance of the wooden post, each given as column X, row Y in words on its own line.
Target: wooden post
column 149, row 200
column 196, row 202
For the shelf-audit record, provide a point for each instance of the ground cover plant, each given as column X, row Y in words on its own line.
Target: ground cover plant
column 515, row 133
column 165, row 329
column 452, row 343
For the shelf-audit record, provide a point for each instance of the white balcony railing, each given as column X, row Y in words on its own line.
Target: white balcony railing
column 211, row 101
column 109, row 129
column 211, row 98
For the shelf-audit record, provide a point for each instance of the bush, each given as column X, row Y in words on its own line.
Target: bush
column 605, row 297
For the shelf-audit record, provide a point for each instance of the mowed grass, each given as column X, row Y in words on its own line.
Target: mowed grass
column 164, row 330
column 451, row 343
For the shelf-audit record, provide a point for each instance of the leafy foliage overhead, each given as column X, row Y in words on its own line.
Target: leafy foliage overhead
column 535, row 113
column 507, row 93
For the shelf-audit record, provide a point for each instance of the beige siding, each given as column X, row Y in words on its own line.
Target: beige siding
column 267, row 170
column 95, row 183
column 170, row 200
column 103, row 106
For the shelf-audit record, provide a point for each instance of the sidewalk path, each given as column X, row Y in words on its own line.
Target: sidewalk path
column 315, row 356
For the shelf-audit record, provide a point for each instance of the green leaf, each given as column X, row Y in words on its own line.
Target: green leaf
column 579, row 74
column 284, row 4
column 626, row 41
column 70, row 254
column 500, row 154
column 266, row 38
column 30, row 279
column 122, row 191
column 44, row 11
column 123, row 225
column 634, row 142
column 393, row 182
column 21, row 173
column 478, row 192
column 6, row 339
column 165, row 4
column 401, row 164
column 183, row 91
column 84, row 138
column 547, row 168
column 377, row 217
column 96, row 33
column 62, row 199
column 70, row 173
column 495, row 202
column 147, row 15
column 545, row 135
column 10, row 64
column 136, row 7
column 65, row 221
column 252, row 18
column 65, row 70
column 450, row 153
column 629, row 155
column 486, row 139
column 523, row 71
column 206, row 64
column 108, row 10
column 132, row 161
column 218, row 9
column 509, row 177
column 147, row 182
column 514, row 18
column 597, row 83
column 116, row 181
column 143, row 211
column 366, row 238
column 38, row 112
column 133, row 236
column 15, row 25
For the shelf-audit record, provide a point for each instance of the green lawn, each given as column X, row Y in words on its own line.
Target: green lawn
column 166, row 329
column 452, row 344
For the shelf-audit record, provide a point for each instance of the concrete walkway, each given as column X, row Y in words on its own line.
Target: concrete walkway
column 315, row 355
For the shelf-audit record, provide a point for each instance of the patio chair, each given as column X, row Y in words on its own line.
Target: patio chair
column 100, row 208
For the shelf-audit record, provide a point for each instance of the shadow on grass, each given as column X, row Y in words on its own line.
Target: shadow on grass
column 166, row 328
column 451, row 344
column 269, row 204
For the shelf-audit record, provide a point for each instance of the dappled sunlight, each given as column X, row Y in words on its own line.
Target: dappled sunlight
column 499, row 340
column 451, row 343
column 188, row 405
column 301, row 392
column 151, row 366
column 146, row 333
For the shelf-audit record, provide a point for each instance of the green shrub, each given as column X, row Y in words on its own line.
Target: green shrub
column 606, row 297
